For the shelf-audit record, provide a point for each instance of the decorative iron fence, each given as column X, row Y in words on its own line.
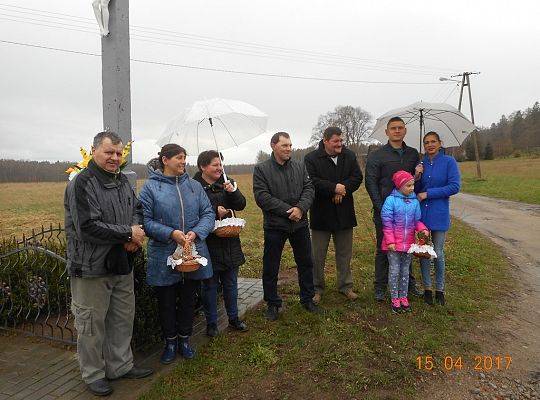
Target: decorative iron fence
column 35, row 293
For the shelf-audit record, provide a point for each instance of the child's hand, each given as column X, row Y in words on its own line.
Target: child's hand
column 392, row 247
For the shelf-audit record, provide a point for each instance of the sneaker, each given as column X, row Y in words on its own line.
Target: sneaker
column 379, row 295
column 439, row 298
column 311, row 308
column 272, row 313
column 405, row 306
column 169, row 352
column 212, row 330
column 396, row 306
column 185, row 349
column 317, row 298
column 351, row 295
column 238, row 325
column 428, row 297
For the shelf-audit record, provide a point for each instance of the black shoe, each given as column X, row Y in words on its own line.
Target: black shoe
column 169, row 352
column 428, row 297
column 379, row 295
column 238, row 325
column 415, row 292
column 101, row 387
column 312, row 308
column 138, row 373
column 439, row 298
column 271, row 313
column 212, row 330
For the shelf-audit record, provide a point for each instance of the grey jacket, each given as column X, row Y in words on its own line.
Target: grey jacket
column 278, row 188
column 100, row 208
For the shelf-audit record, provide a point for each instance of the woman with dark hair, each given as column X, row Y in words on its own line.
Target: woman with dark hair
column 440, row 180
column 176, row 210
column 226, row 253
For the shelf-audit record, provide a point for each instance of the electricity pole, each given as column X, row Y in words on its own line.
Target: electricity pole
column 465, row 81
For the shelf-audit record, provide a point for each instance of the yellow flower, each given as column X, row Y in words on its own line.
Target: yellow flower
column 125, row 154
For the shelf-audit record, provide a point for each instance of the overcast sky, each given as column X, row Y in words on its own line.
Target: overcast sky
column 50, row 102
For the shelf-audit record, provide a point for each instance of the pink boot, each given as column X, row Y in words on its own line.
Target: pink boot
column 405, row 306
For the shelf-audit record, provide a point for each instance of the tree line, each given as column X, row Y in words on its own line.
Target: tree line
column 518, row 133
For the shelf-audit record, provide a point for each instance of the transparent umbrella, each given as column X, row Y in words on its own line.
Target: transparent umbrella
column 451, row 125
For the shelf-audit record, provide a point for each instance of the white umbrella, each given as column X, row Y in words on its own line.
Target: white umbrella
column 451, row 125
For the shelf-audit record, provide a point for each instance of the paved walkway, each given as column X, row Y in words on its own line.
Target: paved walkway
column 33, row 369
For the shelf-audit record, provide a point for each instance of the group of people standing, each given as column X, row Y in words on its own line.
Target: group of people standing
column 106, row 224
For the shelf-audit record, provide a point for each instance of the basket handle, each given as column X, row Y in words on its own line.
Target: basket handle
column 229, row 211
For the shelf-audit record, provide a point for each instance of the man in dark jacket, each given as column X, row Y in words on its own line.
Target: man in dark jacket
column 335, row 174
column 102, row 221
column 284, row 192
column 380, row 166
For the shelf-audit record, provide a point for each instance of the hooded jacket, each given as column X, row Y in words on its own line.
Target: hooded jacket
column 400, row 219
column 325, row 174
column 162, row 198
column 100, row 208
column 225, row 252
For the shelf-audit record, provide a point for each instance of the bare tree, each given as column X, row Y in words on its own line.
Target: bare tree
column 261, row 156
column 353, row 121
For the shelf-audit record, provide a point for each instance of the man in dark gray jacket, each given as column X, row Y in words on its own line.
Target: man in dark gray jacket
column 102, row 221
column 284, row 192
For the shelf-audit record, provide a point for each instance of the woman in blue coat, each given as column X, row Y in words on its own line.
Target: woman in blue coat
column 440, row 180
column 167, row 192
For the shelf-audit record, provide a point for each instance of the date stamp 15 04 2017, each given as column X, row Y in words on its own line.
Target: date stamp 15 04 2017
column 480, row 363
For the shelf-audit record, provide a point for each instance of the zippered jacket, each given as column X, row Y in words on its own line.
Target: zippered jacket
column 381, row 165
column 100, row 208
column 162, row 198
column 400, row 219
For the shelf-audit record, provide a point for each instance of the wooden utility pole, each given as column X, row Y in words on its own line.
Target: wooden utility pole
column 116, row 76
column 465, row 81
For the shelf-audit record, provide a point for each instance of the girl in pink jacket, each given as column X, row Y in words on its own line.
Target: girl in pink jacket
column 401, row 220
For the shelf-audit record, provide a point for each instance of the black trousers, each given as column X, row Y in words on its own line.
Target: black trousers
column 300, row 241
column 176, row 304
column 381, row 259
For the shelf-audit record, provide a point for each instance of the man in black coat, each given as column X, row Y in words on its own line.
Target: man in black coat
column 335, row 174
column 284, row 192
column 380, row 166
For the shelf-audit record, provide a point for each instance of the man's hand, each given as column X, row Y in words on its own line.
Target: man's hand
column 222, row 211
column 337, row 199
column 191, row 236
column 392, row 247
column 131, row 247
column 421, row 196
column 340, row 189
column 295, row 214
column 228, row 186
column 179, row 237
column 137, row 235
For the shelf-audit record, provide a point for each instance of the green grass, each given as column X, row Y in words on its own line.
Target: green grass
column 515, row 179
column 353, row 350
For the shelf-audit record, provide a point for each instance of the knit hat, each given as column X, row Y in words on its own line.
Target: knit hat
column 400, row 178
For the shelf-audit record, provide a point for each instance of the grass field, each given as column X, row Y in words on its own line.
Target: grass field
column 515, row 179
column 354, row 349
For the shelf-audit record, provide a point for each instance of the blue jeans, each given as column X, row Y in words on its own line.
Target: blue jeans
column 229, row 281
column 398, row 273
column 438, row 238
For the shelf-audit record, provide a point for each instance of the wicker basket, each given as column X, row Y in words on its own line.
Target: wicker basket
column 228, row 231
column 422, row 255
column 186, row 265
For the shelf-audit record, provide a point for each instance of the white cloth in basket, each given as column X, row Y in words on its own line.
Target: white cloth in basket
column 171, row 262
column 230, row 222
column 425, row 248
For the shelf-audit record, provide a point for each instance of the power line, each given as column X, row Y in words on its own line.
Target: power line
column 230, row 71
column 399, row 67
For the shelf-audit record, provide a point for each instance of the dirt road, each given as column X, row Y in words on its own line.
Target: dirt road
column 516, row 228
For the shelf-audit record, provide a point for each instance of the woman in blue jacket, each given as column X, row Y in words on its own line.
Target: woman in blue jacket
column 176, row 209
column 440, row 180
